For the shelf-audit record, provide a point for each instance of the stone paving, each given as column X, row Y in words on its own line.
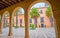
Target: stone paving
column 37, row 33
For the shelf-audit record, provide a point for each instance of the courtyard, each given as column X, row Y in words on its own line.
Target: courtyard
column 36, row 33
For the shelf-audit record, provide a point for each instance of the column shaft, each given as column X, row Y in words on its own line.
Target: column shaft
column 26, row 25
column 10, row 27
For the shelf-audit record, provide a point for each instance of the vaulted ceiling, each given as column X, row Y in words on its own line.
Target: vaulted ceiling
column 7, row 3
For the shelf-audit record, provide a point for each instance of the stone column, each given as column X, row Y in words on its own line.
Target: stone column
column 26, row 25
column 57, row 22
column 1, row 25
column 10, row 27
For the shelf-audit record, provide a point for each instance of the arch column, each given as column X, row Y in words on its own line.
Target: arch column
column 10, row 26
column 1, row 26
column 26, row 24
column 57, row 24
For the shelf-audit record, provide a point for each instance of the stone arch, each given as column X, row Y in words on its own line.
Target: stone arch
column 47, row 2
column 15, row 10
column 3, row 17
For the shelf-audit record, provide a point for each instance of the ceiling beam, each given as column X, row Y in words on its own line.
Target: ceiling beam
column 12, row 2
column 20, row 0
column 6, row 2
column 3, row 3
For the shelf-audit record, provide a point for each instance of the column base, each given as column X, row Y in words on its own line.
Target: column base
column 10, row 34
column 0, row 32
column 26, row 36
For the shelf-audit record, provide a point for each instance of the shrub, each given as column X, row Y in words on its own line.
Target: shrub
column 32, row 26
column 15, row 27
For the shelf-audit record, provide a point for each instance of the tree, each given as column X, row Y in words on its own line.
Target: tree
column 34, row 14
column 49, row 14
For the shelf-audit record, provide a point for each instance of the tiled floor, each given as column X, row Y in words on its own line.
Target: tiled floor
column 37, row 33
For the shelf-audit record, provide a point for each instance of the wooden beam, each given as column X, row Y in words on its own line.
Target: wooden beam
column 1, row 6
column 20, row 0
column 11, row 2
column 6, row 2
column 14, row 1
column 3, row 3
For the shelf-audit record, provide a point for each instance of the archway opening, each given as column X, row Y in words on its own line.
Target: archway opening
column 5, row 23
column 41, row 21
column 18, row 22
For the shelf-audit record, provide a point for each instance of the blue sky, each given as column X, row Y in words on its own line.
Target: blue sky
column 37, row 5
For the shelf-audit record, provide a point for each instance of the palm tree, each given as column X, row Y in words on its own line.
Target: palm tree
column 34, row 14
column 49, row 14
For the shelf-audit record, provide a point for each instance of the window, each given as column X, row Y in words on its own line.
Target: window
column 16, row 21
column 30, row 20
column 41, row 11
column 20, row 25
column 42, row 19
column 13, row 22
column 51, row 19
column 35, row 21
column 46, row 4
column 20, row 21
column 42, row 25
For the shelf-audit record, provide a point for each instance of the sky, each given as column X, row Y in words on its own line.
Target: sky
column 37, row 5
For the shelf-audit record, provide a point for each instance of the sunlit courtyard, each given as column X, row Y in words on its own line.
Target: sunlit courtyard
column 36, row 33
column 39, row 22
column 29, row 19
